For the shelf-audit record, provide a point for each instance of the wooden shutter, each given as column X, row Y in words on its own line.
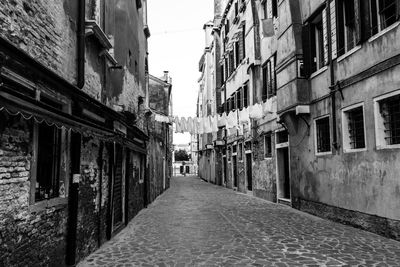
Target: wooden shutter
column 307, row 49
column 398, row 9
column 325, row 35
column 357, row 21
column 244, row 40
column 333, row 29
column 340, row 27
column 365, row 20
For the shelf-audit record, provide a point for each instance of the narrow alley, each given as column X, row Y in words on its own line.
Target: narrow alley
column 199, row 224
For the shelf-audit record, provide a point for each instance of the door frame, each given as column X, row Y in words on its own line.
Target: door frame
column 278, row 147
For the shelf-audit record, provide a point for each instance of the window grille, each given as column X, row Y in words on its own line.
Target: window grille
column 323, row 135
column 390, row 110
column 268, row 145
column 48, row 159
column 282, row 137
column 356, row 128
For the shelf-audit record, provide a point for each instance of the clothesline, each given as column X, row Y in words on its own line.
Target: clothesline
column 238, row 119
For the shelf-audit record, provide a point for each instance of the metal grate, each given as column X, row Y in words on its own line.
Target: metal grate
column 268, row 145
column 323, row 135
column 390, row 110
column 356, row 128
column 383, row 14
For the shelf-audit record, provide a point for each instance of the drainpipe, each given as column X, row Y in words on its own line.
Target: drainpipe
column 332, row 76
column 81, row 44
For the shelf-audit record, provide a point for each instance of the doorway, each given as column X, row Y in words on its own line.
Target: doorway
column 249, row 172
column 234, row 163
column 225, row 169
column 283, row 182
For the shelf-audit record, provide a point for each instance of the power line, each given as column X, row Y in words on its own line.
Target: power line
column 177, row 31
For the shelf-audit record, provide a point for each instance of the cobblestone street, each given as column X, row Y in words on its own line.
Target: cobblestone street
column 198, row 224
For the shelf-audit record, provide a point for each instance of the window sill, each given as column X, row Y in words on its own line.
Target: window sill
column 318, row 72
column 387, row 147
column 269, row 158
column 57, row 203
column 383, row 32
column 349, row 53
column 348, row 151
column 321, row 154
column 92, row 28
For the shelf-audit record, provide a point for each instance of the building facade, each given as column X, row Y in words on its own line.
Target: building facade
column 74, row 139
column 328, row 142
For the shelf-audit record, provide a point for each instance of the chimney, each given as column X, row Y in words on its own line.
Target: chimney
column 218, row 9
column 166, row 76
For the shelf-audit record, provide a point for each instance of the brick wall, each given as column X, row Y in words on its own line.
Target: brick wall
column 27, row 237
column 43, row 29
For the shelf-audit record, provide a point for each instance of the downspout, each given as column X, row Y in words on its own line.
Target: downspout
column 81, row 44
column 100, row 164
column 332, row 76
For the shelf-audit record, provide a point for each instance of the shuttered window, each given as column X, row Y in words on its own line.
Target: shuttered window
column 269, row 78
column 246, row 96
column 315, row 37
column 322, row 130
column 349, row 25
column 237, row 54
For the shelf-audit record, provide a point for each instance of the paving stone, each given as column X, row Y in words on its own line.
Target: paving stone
column 198, row 224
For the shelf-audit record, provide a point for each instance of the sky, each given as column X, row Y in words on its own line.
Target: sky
column 176, row 45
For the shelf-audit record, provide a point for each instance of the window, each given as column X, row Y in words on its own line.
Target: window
column 268, row 146
column 387, row 120
column 240, row 152
column 383, row 14
column 269, row 78
column 353, row 128
column 323, row 136
column 270, row 4
column 234, row 149
column 274, row 8
column 237, row 54
column 236, row 9
column 265, row 9
column 231, row 62
column 318, row 52
column 48, row 162
column 348, row 25
column 233, row 102
column 239, row 99
column 246, row 96
column 282, row 137
column 229, row 154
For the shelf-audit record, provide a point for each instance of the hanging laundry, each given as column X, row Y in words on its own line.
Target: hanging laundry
column 267, row 107
column 232, row 120
column 207, row 125
column 214, row 123
column 201, row 125
column 183, row 125
column 256, row 112
column 177, row 125
column 222, row 120
column 244, row 116
column 190, row 125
